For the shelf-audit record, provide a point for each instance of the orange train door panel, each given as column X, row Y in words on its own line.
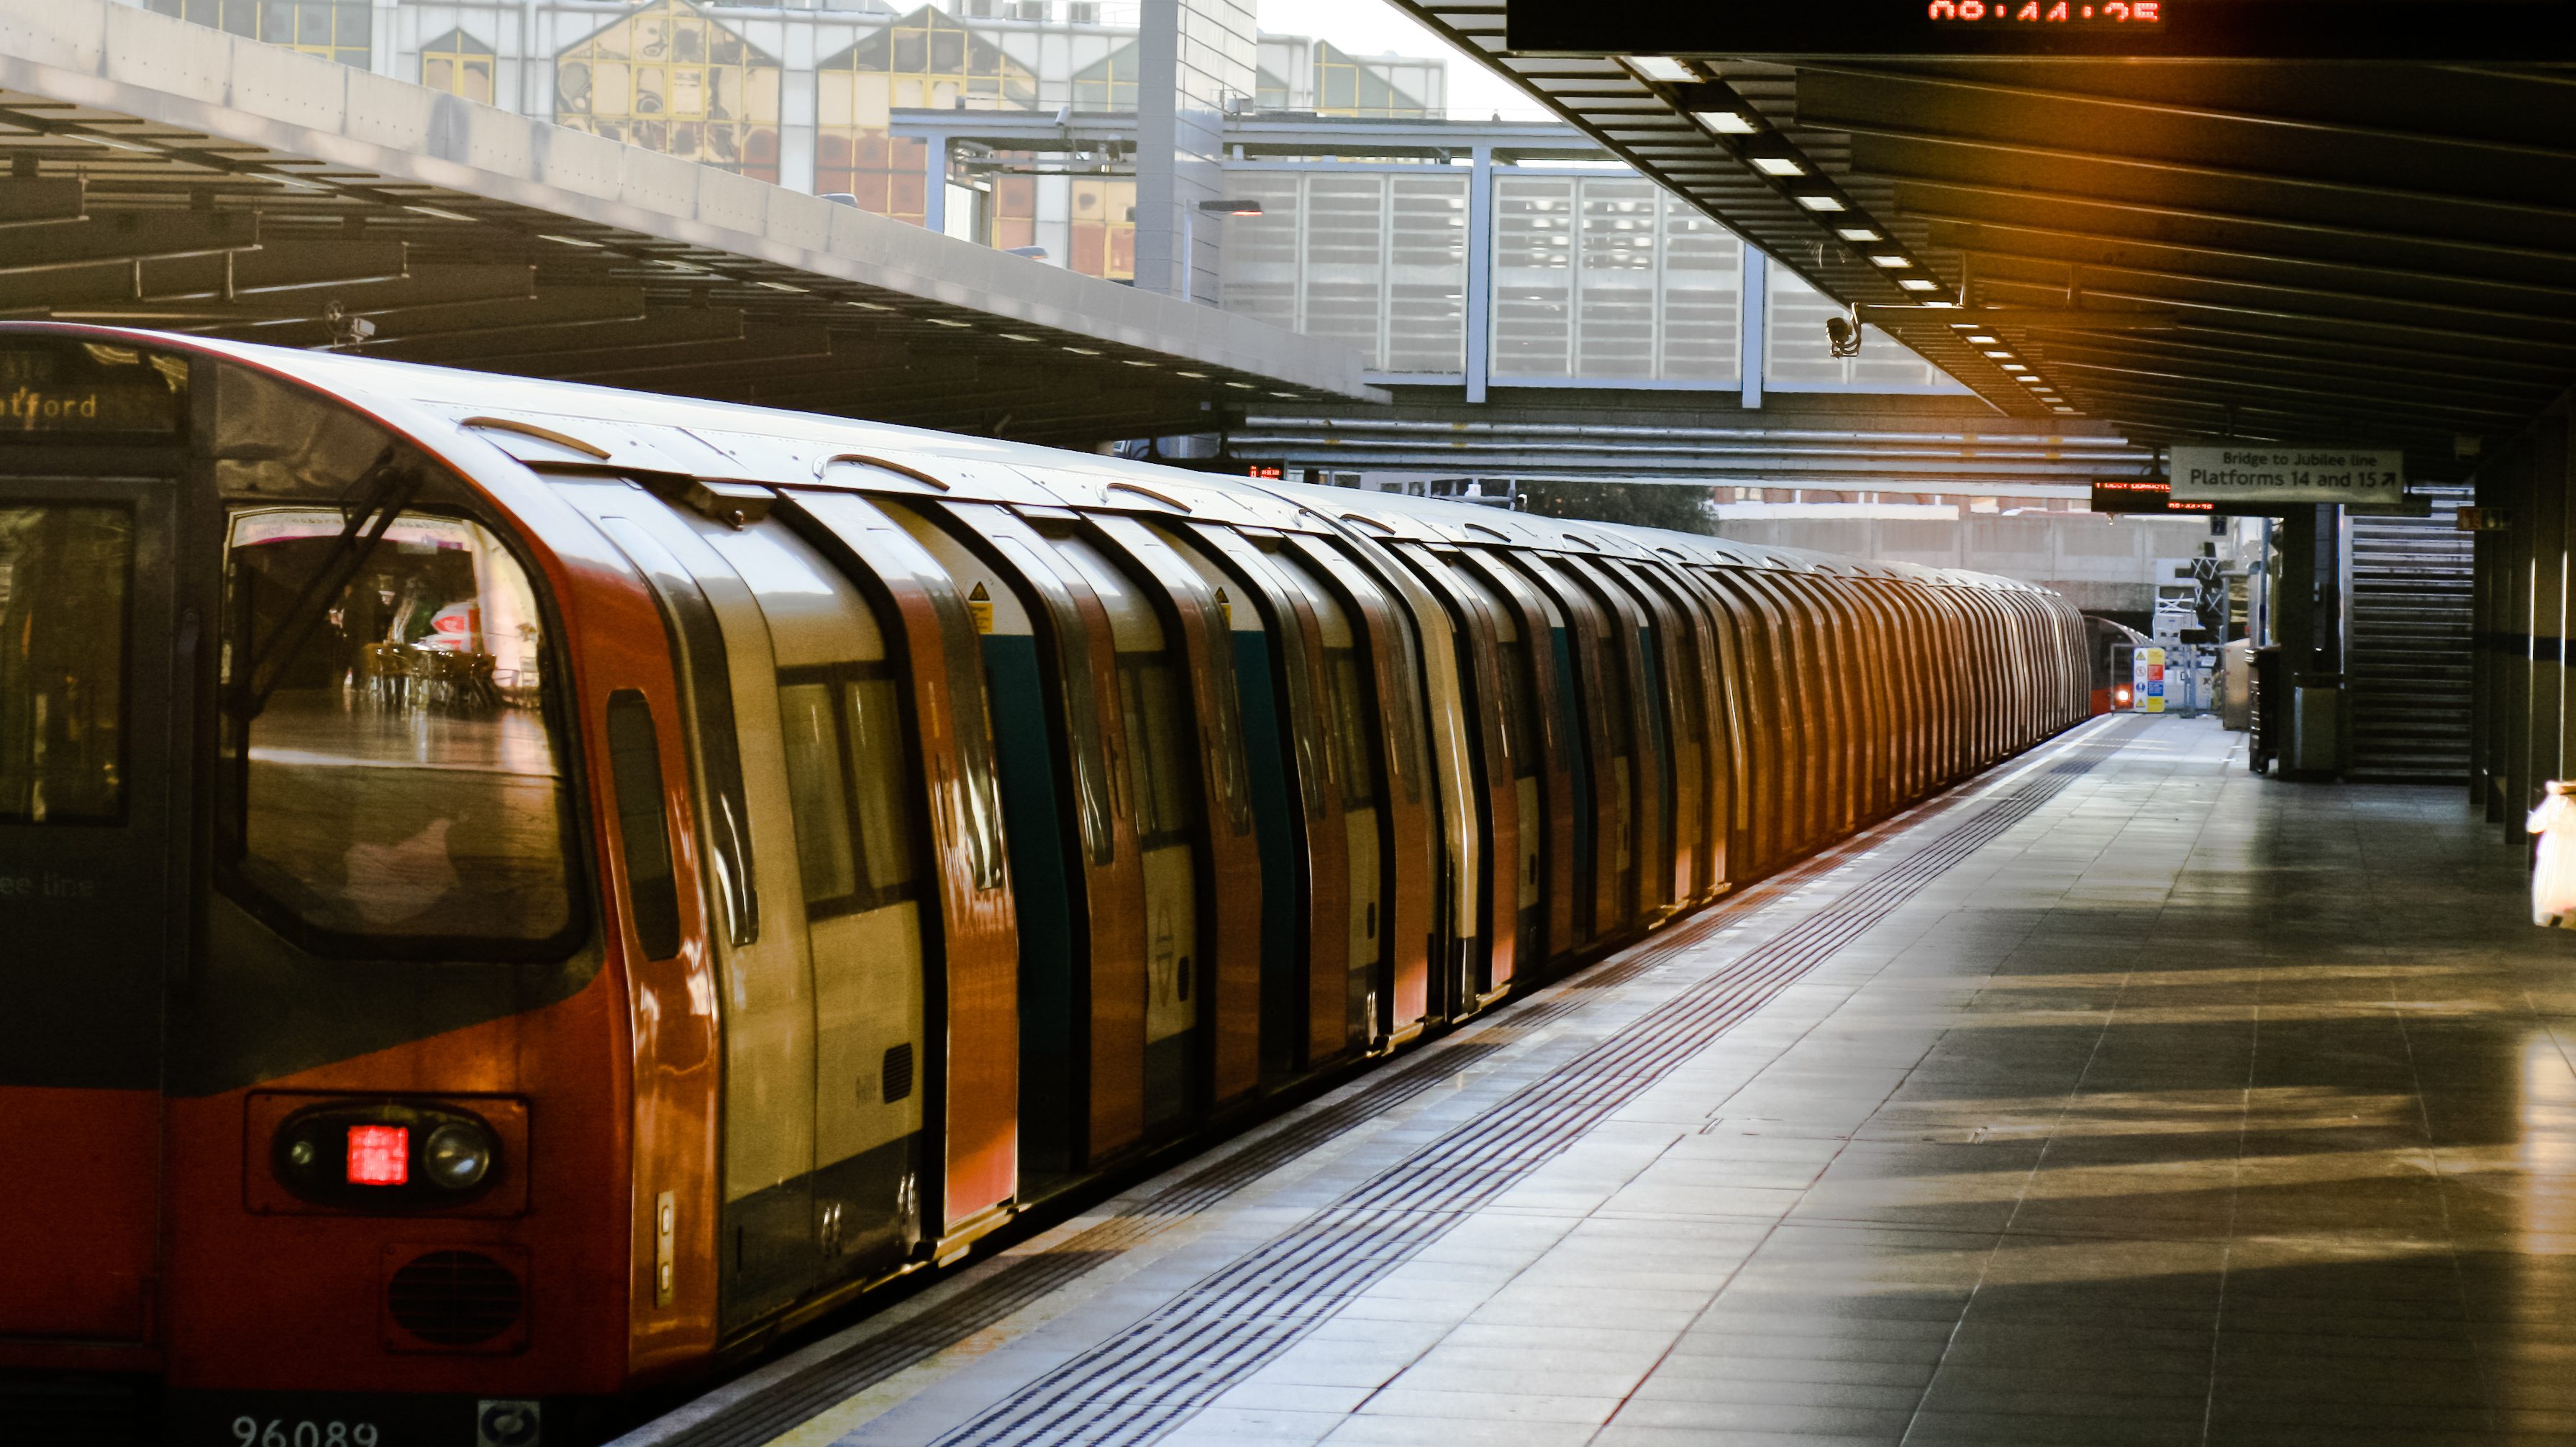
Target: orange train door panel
column 1231, row 876
column 1297, row 660
column 1625, row 636
column 974, row 1074
column 1082, row 1054
column 1417, row 670
column 1534, row 658
column 1506, row 896
column 94, row 681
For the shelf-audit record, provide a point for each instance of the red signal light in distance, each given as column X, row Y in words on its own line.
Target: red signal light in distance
column 379, row 1155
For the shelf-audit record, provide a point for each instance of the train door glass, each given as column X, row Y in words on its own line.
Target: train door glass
column 1349, row 712
column 1153, row 697
column 86, row 670
column 1522, row 740
column 850, row 788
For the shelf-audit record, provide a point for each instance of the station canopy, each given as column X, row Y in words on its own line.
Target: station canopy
column 2283, row 220
column 156, row 173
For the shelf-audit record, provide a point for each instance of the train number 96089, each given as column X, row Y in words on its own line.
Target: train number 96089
column 250, row 1431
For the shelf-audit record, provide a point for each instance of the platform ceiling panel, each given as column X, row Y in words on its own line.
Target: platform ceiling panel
column 156, row 173
column 2298, row 248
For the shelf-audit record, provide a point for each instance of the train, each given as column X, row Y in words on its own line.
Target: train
column 519, row 893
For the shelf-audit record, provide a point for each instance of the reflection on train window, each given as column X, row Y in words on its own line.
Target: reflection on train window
column 846, row 783
column 394, row 771
column 1350, row 727
column 1520, row 721
column 1157, row 747
column 64, row 572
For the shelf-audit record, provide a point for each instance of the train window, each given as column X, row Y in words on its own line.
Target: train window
column 1351, row 727
column 643, row 828
column 846, row 785
column 395, row 772
column 1150, row 695
column 64, row 575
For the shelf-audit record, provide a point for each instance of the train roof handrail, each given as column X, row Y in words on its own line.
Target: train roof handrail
column 541, row 433
column 1166, row 499
column 861, row 459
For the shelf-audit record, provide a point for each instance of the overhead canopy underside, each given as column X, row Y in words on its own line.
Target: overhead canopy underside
column 2362, row 252
column 160, row 174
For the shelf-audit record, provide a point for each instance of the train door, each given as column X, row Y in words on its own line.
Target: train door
column 782, row 1229
column 1348, row 707
column 1553, row 799
column 1506, row 893
column 1627, row 735
column 1311, row 763
column 1154, row 706
column 1050, row 658
column 96, row 664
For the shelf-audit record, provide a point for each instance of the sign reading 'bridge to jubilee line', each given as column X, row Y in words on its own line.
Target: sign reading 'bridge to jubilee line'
column 2239, row 472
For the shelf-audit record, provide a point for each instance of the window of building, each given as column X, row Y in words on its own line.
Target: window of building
column 1372, row 259
column 1109, row 83
column 668, row 79
column 338, row 30
column 922, row 59
column 458, row 64
column 1104, row 229
column 1347, row 86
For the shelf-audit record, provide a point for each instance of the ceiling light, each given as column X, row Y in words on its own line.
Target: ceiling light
column 1241, row 386
column 2015, row 367
column 1817, row 201
column 1998, row 356
column 1982, row 340
column 1016, row 337
column 1198, row 376
column 2061, row 409
column 1918, row 283
column 1084, row 351
column 1777, row 166
column 2030, row 381
column 567, row 240
column 1942, row 305
column 1661, row 67
column 945, row 322
column 1859, row 233
column 1131, row 361
column 1891, row 261
column 1726, row 123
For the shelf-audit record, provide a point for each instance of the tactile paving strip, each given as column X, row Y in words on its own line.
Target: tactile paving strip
column 1147, row 1379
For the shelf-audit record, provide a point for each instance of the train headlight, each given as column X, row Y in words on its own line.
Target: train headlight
column 457, row 1156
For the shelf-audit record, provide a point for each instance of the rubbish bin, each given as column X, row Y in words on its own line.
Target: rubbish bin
column 2271, row 709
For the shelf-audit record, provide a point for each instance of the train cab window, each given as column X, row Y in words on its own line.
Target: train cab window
column 841, row 732
column 64, row 575
column 395, row 780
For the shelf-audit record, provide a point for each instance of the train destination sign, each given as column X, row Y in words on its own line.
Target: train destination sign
column 2243, row 472
column 2123, row 495
column 2420, row 30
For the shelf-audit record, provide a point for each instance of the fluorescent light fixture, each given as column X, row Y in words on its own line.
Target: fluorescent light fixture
column 1661, row 67
column 1197, row 376
column 1982, row 340
column 1859, row 233
column 1998, row 356
column 568, row 241
column 1016, row 337
column 1815, row 201
column 1777, row 166
column 2015, row 367
column 1241, row 386
column 1131, row 361
column 789, row 286
column 1891, row 261
column 1918, row 283
column 2061, row 409
column 1947, row 306
column 1084, row 351
column 1726, row 123
column 2030, row 381
column 945, row 322
column 441, row 215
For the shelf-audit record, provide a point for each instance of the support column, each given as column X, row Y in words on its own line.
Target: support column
column 1480, row 273
column 2309, row 623
column 1194, row 57
column 934, row 184
column 1752, row 314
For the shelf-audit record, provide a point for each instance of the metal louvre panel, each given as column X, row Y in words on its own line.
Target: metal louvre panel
column 1608, row 277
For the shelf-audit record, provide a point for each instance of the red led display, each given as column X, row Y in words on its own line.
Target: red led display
column 379, row 1155
column 2054, row 12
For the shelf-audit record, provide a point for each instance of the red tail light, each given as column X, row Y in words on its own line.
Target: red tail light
column 379, row 1155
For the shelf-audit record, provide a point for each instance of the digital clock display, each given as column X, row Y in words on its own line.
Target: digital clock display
column 2531, row 31
column 2032, row 12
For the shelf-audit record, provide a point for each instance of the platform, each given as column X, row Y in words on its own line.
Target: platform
column 2119, row 1097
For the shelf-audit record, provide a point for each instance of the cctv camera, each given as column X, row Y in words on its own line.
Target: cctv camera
column 1843, row 336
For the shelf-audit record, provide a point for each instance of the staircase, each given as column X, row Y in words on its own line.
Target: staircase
column 2406, row 651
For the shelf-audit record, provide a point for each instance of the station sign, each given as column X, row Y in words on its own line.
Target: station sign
column 2239, row 473
column 2147, row 680
column 2416, row 30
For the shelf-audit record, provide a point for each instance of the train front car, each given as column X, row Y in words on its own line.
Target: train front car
column 346, row 1026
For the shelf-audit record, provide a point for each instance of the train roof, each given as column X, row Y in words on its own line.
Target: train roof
column 583, row 426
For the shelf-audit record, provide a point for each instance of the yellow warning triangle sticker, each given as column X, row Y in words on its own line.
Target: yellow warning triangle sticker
column 1225, row 607
column 980, row 604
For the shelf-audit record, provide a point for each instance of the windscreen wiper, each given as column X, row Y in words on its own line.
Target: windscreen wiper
column 385, row 489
